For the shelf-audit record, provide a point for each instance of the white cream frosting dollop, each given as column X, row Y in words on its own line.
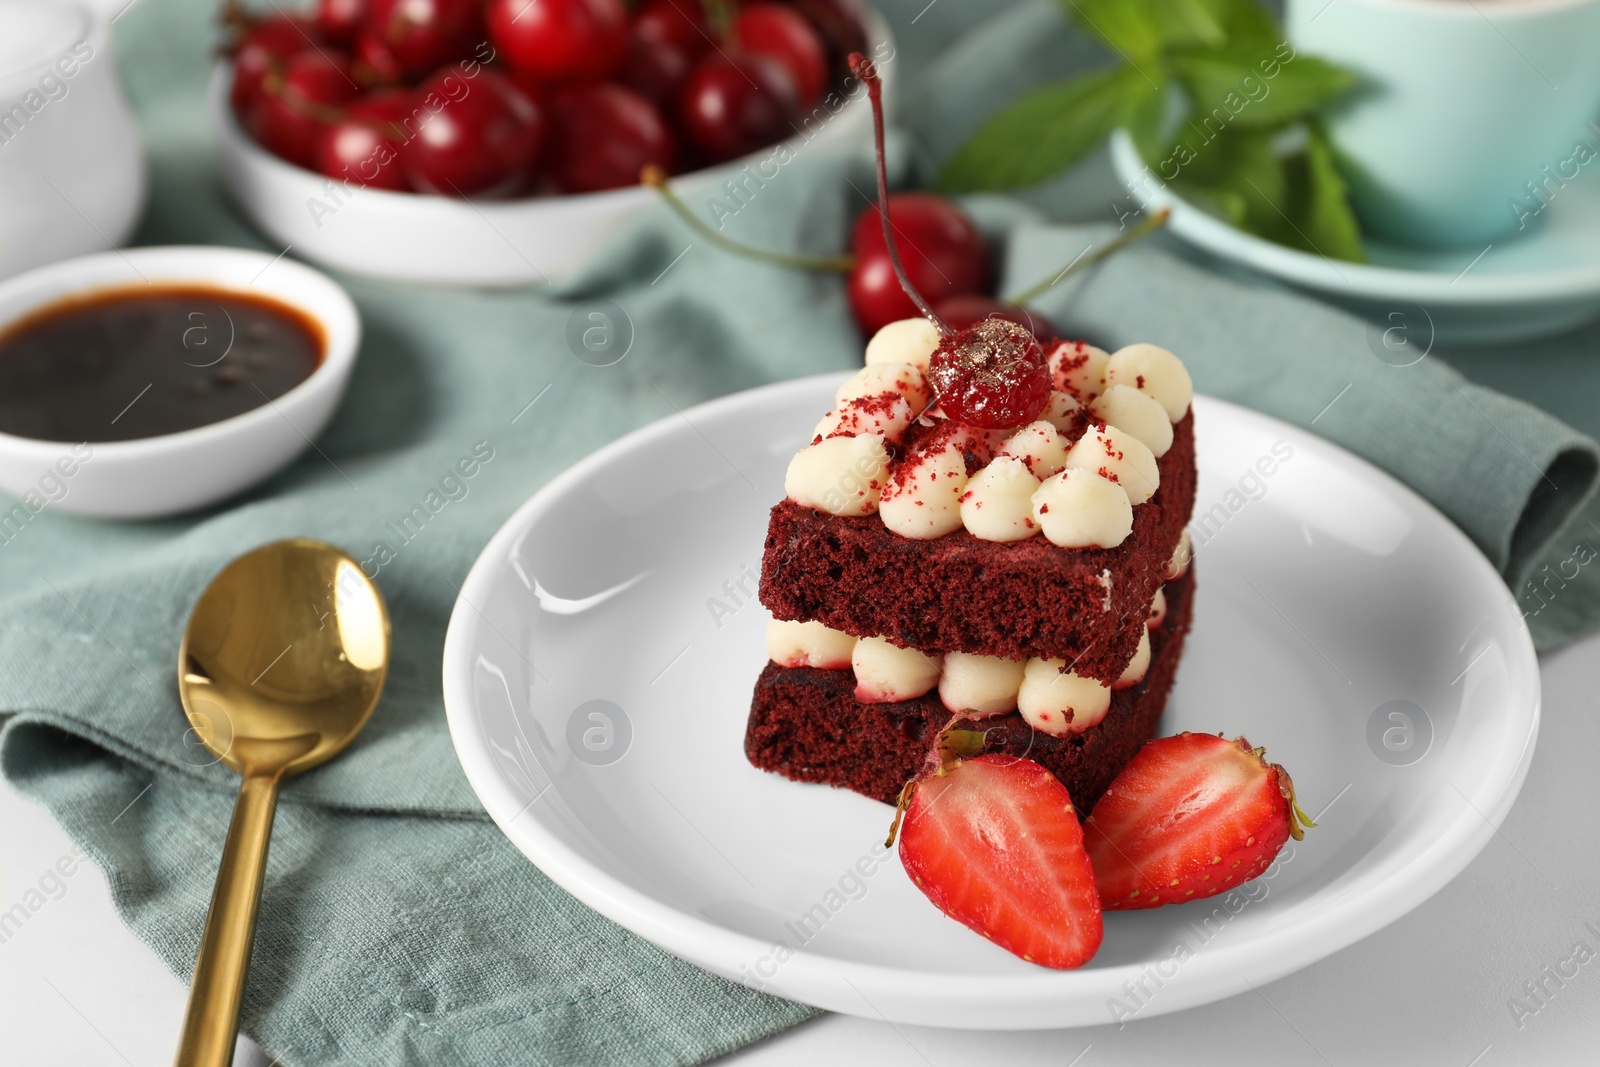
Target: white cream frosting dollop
column 1178, row 565
column 1039, row 446
column 904, row 341
column 1060, row 703
column 1079, row 509
column 1079, row 368
column 979, row 686
column 808, row 644
column 923, row 499
column 998, row 502
column 1120, row 457
column 1138, row 413
column 875, row 378
column 841, row 475
column 887, row 415
column 886, row 673
column 1138, row 666
column 1152, row 369
column 1064, row 413
column 1158, row 610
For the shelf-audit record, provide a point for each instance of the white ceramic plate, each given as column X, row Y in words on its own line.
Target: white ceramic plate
column 441, row 239
column 1541, row 282
column 1326, row 591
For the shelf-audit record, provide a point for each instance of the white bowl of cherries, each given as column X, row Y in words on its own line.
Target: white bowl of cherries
column 500, row 142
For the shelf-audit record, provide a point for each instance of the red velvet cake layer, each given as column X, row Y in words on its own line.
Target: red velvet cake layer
column 959, row 593
column 806, row 724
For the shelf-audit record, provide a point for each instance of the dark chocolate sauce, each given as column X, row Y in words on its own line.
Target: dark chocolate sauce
column 120, row 364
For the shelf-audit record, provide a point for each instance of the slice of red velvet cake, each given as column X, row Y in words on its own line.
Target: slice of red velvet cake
column 924, row 568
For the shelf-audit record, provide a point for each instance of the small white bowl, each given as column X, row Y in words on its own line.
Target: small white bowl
column 443, row 240
column 176, row 472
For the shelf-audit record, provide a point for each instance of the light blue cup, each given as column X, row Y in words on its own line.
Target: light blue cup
column 1473, row 115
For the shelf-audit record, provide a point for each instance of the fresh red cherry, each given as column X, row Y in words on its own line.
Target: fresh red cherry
column 536, row 90
column 603, row 135
column 363, row 147
column 992, row 374
column 361, row 152
column 655, row 68
column 681, row 23
column 734, row 102
column 969, row 309
column 376, row 63
column 384, row 105
column 423, row 35
column 293, row 106
column 944, row 256
column 840, row 25
column 340, row 20
column 780, row 34
column 265, row 45
column 560, row 41
column 483, row 141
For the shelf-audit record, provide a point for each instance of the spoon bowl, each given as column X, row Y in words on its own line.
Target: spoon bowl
column 281, row 664
column 284, row 657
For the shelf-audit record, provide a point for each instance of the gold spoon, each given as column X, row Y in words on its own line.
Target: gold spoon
column 281, row 664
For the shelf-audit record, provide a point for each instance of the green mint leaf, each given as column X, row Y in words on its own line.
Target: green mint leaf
column 1324, row 215
column 1141, row 29
column 1043, row 133
column 1297, row 199
column 1239, row 173
column 1128, row 26
column 1244, row 20
column 1225, row 204
column 1256, row 85
column 1145, row 112
column 1186, row 22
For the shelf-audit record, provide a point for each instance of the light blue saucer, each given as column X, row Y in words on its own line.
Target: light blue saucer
column 1544, row 281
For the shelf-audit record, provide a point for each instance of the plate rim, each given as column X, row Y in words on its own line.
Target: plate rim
column 1046, row 996
column 1361, row 280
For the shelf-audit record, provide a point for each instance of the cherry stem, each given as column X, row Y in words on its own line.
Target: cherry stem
column 236, row 19
column 719, row 17
column 1144, row 229
column 275, row 85
column 862, row 68
column 656, row 178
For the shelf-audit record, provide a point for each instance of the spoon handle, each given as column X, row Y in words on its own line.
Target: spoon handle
column 211, row 1024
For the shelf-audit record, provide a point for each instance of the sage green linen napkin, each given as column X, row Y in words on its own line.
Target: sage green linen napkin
column 399, row 926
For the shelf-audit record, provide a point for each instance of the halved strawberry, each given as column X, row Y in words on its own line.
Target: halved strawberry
column 995, row 843
column 1190, row 816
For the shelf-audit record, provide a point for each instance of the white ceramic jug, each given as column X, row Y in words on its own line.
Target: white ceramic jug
column 72, row 173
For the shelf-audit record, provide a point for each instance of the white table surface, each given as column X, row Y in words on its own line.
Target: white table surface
column 76, row 987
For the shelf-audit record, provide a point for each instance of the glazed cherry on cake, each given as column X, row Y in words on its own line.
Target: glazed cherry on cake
column 991, row 374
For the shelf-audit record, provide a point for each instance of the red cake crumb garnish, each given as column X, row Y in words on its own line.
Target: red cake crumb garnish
column 1066, row 357
column 860, row 415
